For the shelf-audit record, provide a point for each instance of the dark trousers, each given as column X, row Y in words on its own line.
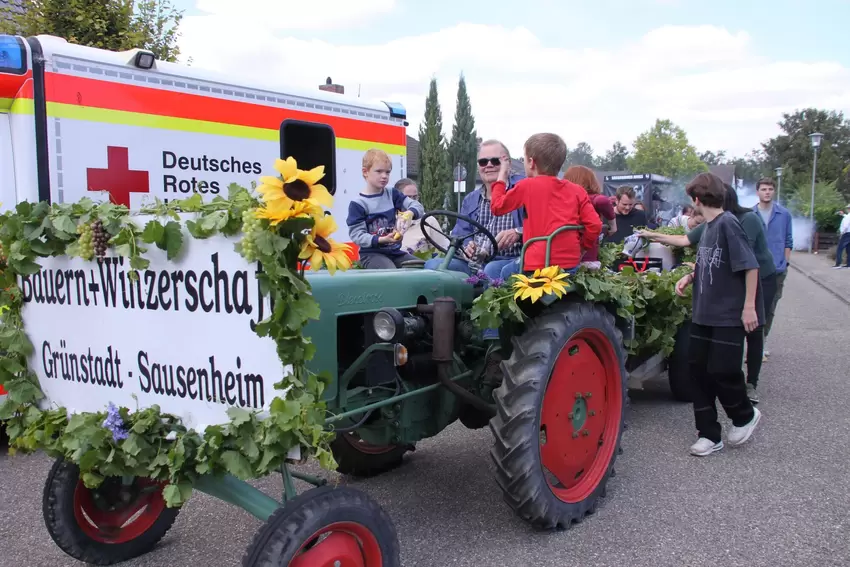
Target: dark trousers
column 769, row 312
column 715, row 355
column 843, row 246
column 755, row 340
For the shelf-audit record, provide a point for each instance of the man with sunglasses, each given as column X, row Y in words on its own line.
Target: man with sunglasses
column 507, row 229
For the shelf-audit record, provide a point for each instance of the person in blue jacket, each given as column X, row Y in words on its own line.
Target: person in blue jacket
column 507, row 229
column 780, row 242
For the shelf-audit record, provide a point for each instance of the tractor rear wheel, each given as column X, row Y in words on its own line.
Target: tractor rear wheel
column 360, row 459
column 678, row 368
column 560, row 415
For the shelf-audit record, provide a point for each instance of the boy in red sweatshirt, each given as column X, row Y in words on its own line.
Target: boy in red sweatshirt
column 550, row 203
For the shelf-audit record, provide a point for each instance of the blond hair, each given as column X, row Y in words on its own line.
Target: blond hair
column 375, row 156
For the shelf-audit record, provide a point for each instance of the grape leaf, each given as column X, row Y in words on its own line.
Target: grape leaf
column 153, row 233
column 173, row 237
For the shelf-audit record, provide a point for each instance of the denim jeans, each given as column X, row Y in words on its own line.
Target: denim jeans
column 843, row 246
column 493, row 268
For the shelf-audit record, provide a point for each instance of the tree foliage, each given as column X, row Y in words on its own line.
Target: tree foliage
column 434, row 171
column 116, row 25
column 582, row 154
column 665, row 150
column 463, row 147
column 615, row 159
column 792, row 149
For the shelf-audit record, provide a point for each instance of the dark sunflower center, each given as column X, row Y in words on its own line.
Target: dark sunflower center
column 297, row 190
column 322, row 244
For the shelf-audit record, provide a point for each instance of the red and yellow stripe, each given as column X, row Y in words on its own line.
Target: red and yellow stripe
column 95, row 100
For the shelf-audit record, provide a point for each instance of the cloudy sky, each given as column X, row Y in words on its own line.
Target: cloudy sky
column 597, row 71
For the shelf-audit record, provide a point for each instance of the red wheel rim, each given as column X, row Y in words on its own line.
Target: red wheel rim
column 367, row 448
column 581, row 414
column 117, row 513
column 342, row 544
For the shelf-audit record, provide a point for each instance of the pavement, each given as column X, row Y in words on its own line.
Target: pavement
column 819, row 269
column 781, row 500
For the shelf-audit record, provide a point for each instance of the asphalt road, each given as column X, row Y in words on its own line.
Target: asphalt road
column 781, row 500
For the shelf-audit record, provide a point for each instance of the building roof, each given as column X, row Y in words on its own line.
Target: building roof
column 412, row 157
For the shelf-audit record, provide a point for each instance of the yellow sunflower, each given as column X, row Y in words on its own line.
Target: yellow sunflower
column 543, row 281
column 294, row 185
column 276, row 212
column 320, row 248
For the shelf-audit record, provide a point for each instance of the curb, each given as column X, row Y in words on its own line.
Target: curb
column 825, row 286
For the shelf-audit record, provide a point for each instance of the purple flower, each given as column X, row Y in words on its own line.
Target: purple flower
column 472, row 280
column 497, row 282
column 114, row 423
column 482, row 276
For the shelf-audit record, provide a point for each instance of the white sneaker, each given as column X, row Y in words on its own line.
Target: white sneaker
column 704, row 447
column 740, row 435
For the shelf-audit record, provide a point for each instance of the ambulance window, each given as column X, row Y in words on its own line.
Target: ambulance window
column 311, row 144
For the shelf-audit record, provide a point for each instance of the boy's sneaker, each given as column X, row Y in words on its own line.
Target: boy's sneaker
column 704, row 447
column 751, row 393
column 740, row 435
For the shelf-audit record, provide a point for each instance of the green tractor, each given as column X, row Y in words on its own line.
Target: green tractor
column 407, row 361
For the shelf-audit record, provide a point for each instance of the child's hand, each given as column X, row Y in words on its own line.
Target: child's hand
column 505, row 169
column 388, row 239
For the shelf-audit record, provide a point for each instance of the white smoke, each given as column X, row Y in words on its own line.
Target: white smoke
column 801, row 227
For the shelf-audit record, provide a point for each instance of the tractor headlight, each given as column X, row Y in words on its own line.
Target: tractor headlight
column 388, row 325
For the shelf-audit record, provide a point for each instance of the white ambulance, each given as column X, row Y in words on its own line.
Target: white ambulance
column 78, row 121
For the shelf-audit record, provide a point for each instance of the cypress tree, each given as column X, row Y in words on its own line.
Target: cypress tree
column 434, row 170
column 463, row 148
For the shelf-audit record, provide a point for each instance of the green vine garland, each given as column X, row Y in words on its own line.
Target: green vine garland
column 154, row 444
column 649, row 297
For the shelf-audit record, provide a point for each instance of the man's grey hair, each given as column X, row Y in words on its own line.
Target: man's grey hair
column 494, row 142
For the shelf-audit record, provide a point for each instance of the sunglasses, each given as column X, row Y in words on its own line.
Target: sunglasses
column 482, row 162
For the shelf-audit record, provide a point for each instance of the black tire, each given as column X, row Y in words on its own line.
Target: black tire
column 58, row 509
column 516, row 428
column 678, row 369
column 298, row 522
column 355, row 458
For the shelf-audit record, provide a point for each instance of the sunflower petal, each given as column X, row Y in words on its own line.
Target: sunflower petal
column 321, row 195
column 316, row 260
column 288, row 168
column 312, row 176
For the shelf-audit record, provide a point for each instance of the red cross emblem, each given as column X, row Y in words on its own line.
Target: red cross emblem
column 117, row 178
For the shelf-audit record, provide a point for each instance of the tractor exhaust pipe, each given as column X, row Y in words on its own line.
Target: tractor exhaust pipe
column 443, row 353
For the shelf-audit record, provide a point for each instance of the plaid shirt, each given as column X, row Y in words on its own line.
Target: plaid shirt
column 495, row 225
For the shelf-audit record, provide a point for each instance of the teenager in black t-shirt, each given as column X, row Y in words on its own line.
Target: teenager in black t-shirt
column 726, row 306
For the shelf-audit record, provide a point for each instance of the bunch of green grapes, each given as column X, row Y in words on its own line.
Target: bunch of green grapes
column 86, row 241
column 251, row 226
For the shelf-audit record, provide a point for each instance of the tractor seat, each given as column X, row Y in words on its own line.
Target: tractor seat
column 418, row 263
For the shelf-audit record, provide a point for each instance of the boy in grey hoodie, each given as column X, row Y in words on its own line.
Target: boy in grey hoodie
column 372, row 215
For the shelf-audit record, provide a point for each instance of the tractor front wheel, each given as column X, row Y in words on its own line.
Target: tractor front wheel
column 115, row 522
column 326, row 527
column 361, row 459
column 560, row 415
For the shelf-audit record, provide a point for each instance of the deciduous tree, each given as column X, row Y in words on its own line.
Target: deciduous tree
column 665, row 150
column 116, row 25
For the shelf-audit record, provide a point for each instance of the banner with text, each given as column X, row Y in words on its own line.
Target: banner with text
column 180, row 336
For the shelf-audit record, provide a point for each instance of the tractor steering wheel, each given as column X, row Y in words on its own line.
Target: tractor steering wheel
column 456, row 242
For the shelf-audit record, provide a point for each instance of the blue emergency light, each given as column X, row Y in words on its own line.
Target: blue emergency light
column 12, row 55
column 396, row 109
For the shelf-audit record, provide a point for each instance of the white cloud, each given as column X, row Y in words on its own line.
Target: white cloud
column 292, row 14
column 709, row 80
